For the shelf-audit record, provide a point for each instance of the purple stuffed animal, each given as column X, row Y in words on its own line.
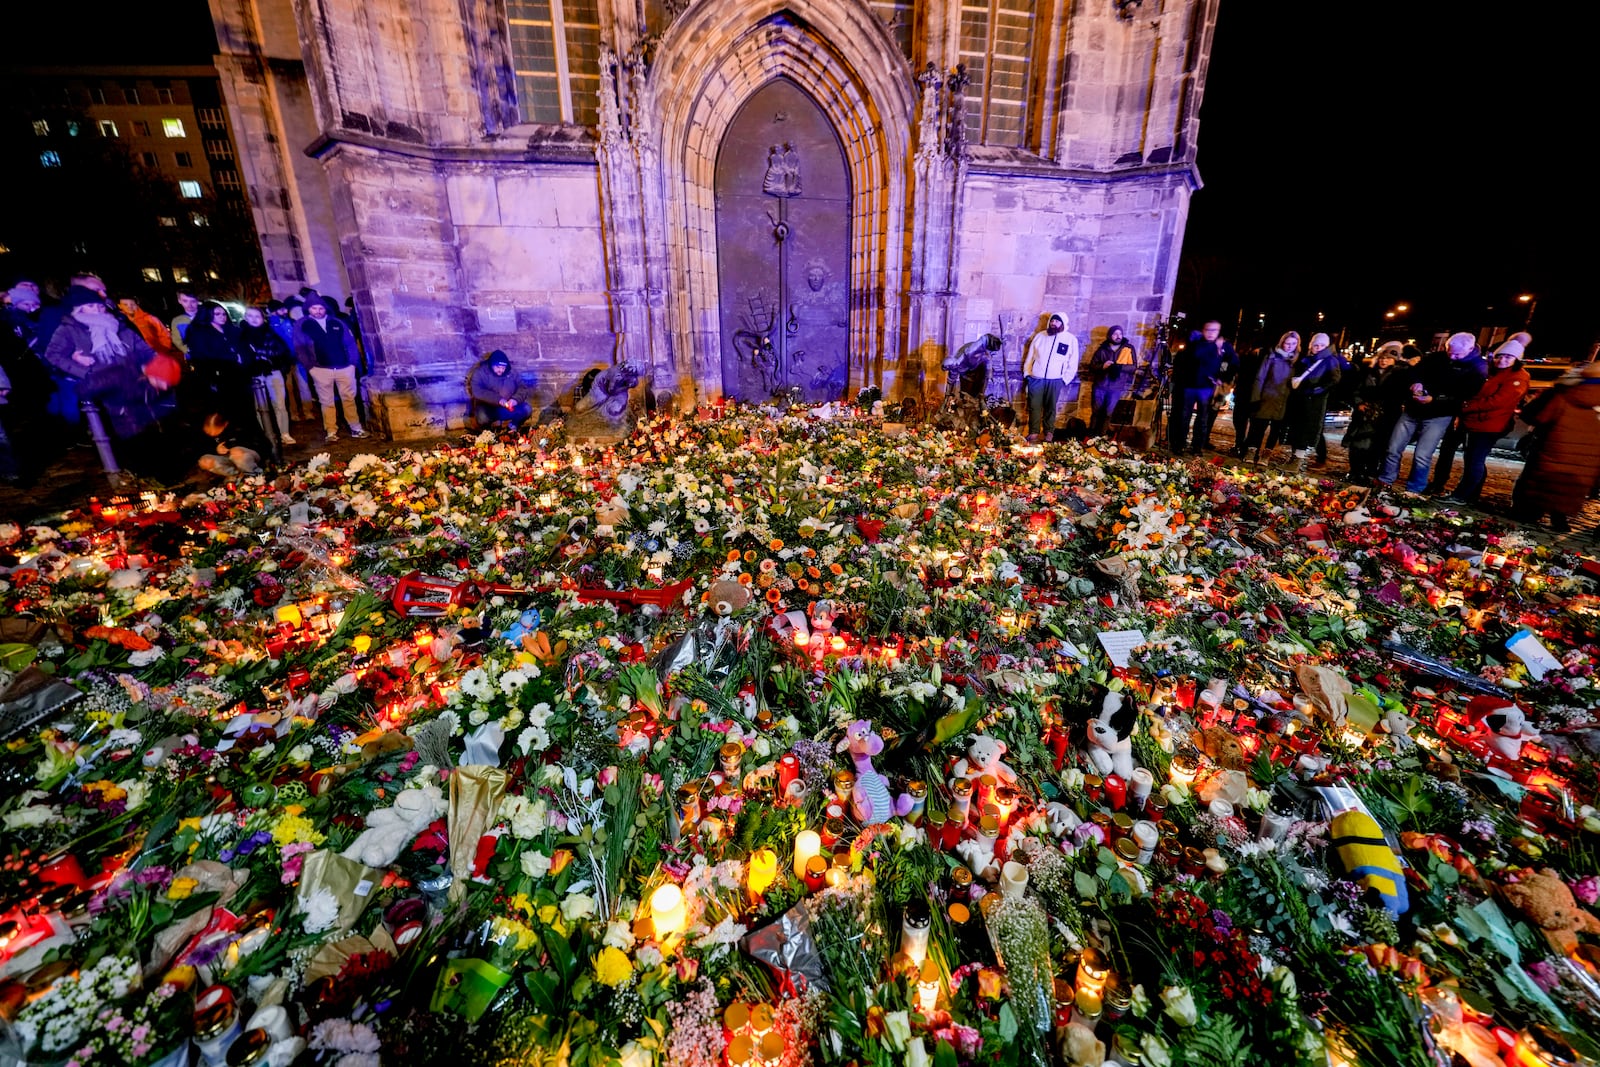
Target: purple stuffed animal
column 869, row 800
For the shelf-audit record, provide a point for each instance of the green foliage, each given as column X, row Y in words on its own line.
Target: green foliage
column 1219, row 1041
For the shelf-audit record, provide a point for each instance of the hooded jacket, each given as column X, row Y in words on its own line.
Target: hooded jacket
column 1052, row 356
column 488, row 388
column 1565, row 465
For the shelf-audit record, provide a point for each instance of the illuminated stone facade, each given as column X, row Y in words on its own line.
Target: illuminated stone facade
column 539, row 175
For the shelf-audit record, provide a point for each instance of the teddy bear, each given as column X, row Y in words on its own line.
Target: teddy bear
column 984, row 756
column 727, row 596
column 1222, row 747
column 389, row 830
column 1545, row 899
column 1506, row 724
column 1111, row 736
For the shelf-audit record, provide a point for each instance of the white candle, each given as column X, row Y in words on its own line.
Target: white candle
column 667, row 911
column 807, row 843
column 1013, row 879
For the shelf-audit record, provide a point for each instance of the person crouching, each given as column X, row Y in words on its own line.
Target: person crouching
column 493, row 389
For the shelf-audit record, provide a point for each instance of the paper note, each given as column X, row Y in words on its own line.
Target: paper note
column 1531, row 651
column 1119, row 643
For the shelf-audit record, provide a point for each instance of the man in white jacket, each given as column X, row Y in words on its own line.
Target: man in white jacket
column 1051, row 363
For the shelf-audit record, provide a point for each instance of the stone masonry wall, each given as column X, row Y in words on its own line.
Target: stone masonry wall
column 450, row 261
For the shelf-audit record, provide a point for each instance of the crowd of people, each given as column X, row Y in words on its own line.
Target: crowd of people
column 1436, row 405
column 204, row 391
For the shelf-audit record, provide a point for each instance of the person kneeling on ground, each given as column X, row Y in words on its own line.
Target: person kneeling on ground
column 493, row 389
column 231, row 457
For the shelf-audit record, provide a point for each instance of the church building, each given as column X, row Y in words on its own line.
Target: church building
column 731, row 197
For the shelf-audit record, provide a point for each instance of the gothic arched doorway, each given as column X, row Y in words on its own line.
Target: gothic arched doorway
column 783, row 248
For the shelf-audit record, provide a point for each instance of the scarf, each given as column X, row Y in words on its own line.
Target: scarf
column 103, row 340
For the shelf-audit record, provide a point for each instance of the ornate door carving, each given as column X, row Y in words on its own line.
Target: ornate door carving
column 783, row 249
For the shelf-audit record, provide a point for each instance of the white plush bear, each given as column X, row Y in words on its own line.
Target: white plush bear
column 390, row 830
column 978, row 854
column 983, row 757
column 1111, row 736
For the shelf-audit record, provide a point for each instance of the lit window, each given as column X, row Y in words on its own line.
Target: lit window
column 190, row 190
column 50, row 158
column 151, row 274
column 141, row 128
column 41, row 128
column 108, row 128
column 72, row 129
column 164, row 96
column 167, row 220
column 555, row 49
column 996, row 42
column 172, row 128
column 183, row 159
column 180, row 275
column 198, row 219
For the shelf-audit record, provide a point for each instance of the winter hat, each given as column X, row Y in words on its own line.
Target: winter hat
column 1481, row 706
column 498, row 358
column 1393, row 347
column 317, row 300
column 80, row 295
column 1512, row 347
column 275, row 305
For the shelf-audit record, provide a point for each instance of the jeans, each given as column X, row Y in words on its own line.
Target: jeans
column 1191, row 405
column 1107, row 395
column 1428, row 433
column 1442, row 467
column 340, row 380
column 490, row 414
column 1479, row 444
column 1043, row 393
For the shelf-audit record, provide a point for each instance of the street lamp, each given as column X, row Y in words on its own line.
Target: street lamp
column 1532, row 300
column 1402, row 307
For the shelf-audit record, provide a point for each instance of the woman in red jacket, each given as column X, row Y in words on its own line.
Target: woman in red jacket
column 1488, row 416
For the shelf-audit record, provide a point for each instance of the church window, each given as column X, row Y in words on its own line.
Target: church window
column 555, row 49
column 996, row 45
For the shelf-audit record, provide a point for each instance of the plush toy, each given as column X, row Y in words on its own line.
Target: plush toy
column 869, row 800
column 1505, row 722
column 613, row 512
column 978, row 854
column 1397, row 724
column 983, row 757
column 389, row 830
column 1062, row 819
column 727, row 596
column 1544, row 898
column 1111, row 736
column 527, row 625
column 1224, row 749
column 1368, row 859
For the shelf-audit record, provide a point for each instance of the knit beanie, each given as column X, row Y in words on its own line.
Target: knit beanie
column 80, row 295
column 1512, row 347
column 498, row 358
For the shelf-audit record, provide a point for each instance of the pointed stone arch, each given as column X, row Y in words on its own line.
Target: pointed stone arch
column 714, row 58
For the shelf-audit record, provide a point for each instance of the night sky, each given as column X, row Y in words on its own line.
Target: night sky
column 1355, row 155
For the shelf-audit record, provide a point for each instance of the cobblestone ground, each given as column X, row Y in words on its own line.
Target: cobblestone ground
column 77, row 476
